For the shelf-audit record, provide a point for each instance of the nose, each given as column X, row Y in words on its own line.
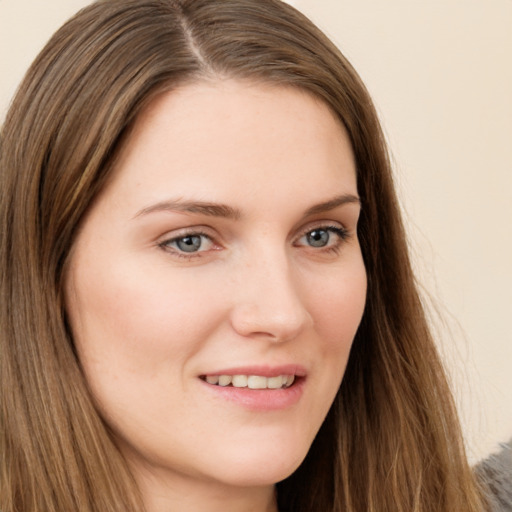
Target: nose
column 268, row 303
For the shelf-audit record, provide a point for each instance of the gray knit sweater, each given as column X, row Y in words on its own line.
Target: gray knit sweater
column 495, row 473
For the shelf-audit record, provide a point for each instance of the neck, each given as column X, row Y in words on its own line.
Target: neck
column 184, row 494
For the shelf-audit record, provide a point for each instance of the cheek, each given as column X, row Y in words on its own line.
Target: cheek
column 338, row 307
column 134, row 321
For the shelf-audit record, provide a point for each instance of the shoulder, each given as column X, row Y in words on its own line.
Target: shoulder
column 495, row 473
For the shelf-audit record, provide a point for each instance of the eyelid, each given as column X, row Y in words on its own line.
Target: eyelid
column 173, row 234
column 323, row 224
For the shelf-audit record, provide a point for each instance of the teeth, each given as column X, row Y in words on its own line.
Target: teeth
column 256, row 382
column 240, row 381
column 275, row 382
column 251, row 381
column 225, row 380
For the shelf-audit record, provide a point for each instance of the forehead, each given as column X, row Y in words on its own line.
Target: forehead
column 236, row 103
column 233, row 135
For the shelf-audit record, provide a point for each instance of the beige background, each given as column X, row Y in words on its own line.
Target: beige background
column 441, row 75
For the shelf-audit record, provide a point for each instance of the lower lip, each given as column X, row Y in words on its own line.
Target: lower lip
column 260, row 399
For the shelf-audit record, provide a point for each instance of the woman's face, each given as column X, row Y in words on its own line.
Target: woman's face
column 217, row 283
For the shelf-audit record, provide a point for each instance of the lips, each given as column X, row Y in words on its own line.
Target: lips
column 260, row 388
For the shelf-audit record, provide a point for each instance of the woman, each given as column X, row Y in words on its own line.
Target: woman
column 197, row 202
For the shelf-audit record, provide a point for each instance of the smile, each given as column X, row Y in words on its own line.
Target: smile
column 251, row 381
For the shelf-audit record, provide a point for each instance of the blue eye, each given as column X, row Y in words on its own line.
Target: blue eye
column 324, row 237
column 318, row 238
column 189, row 243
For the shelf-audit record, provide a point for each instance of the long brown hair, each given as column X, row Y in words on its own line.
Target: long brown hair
column 390, row 442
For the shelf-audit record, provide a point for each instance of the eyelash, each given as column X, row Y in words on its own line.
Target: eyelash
column 342, row 234
column 165, row 245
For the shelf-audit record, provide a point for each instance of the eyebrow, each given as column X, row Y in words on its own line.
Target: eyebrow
column 333, row 203
column 201, row 207
column 222, row 210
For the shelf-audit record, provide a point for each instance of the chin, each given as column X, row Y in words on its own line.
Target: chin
column 261, row 469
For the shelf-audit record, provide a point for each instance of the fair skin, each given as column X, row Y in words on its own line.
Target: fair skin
column 225, row 245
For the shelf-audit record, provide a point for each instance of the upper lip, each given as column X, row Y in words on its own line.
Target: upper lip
column 262, row 370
